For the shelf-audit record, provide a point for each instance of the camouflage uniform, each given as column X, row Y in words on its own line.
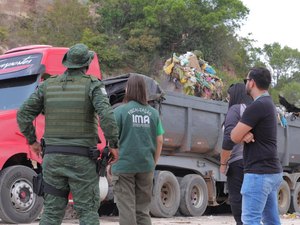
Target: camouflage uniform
column 72, row 125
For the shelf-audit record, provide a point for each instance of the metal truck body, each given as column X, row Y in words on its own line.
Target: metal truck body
column 192, row 144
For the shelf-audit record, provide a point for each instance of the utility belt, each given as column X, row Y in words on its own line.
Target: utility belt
column 40, row 187
column 91, row 152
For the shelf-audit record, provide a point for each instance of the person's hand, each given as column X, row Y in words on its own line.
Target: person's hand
column 36, row 148
column 248, row 138
column 223, row 168
column 115, row 155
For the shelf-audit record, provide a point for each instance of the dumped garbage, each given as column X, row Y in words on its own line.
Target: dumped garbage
column 194, row 75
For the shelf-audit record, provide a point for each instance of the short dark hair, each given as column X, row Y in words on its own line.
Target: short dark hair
column 261, row 76
column 136, row 90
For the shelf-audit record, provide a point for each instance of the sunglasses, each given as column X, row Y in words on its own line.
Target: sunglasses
column 246, row 80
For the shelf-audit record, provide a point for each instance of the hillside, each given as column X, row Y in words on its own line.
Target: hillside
column 19, row 8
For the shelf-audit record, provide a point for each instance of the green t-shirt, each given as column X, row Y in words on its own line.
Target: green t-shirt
column 139, row 125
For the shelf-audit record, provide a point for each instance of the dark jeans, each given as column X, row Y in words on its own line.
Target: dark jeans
column 235, row 176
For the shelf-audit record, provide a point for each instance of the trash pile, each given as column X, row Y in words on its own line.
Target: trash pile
column 194, row 75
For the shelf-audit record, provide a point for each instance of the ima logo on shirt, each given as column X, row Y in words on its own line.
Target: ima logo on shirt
column 140, row 119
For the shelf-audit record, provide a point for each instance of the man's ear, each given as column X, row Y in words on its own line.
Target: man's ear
column 252, row 83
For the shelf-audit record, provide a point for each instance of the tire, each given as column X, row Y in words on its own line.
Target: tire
column 18, row 203
column 166, row 195
column 194, row 195
column 295, row 204
column 284, row 197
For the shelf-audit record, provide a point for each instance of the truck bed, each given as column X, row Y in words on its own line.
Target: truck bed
column 194, row 125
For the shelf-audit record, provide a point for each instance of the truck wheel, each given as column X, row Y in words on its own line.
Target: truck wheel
column 166, row 195
column 295, row 204
column 18, row 203
column 284, row 197
column 194, row 195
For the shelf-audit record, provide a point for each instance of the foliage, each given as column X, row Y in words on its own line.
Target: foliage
column 254, row 54
column 227, row 80
column 109, row 54
column 61, row 23
column 161, row 27
column 284, row 61
column 291, row 91
column 289, row 88
column 3, row 34
column 285, row 64
column 139, row 35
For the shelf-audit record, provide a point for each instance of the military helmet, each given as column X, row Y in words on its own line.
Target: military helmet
column 78, row 56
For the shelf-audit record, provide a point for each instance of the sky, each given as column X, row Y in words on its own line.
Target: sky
column 272, row 21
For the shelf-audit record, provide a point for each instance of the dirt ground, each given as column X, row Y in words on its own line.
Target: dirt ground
column 212, row 216
column 202, row 220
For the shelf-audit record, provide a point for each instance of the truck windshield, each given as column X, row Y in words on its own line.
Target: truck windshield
column 15, row 91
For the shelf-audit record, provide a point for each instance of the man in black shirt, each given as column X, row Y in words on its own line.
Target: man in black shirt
column 263, row 172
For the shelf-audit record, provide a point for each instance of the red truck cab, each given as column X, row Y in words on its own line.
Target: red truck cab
column 21, row 71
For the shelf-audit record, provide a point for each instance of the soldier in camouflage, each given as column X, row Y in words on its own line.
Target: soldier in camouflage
column 71, row 103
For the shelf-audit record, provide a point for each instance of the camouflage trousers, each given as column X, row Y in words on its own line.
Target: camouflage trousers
column 77, row 174
column 132, row 194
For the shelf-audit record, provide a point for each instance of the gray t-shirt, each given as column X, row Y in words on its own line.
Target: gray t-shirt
column 233, row 116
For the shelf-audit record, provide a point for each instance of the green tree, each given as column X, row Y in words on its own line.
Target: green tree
column 289, row 88
column 291, row 91
column 284, row 61
column 254, row 53
column 109, row 54
column 159, row 27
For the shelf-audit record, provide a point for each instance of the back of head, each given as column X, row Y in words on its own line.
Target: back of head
column 238, row 95
column 261, row 76
column 136, row 90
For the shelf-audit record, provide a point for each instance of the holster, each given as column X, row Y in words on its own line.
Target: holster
column 38, row 184
column 40, row 187
column 103, row 162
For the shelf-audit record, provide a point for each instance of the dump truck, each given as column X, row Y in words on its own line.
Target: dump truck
column 187, row 177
